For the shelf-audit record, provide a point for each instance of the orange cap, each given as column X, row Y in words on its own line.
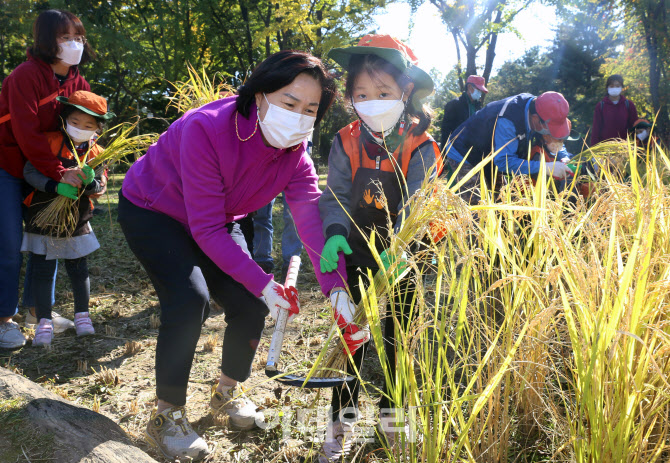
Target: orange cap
column 387, row 41
column 88, row 102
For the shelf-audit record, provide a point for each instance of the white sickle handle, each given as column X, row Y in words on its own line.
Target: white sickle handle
column 282, row 318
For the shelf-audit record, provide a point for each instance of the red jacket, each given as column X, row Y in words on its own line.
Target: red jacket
column 612, row 120
column 24, row 135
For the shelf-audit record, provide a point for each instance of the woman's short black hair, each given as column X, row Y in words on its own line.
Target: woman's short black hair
column 614, row 78
column 373, row 64
column 47, row 27
column 278, row 71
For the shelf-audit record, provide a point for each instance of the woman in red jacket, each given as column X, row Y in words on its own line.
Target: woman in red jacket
column 614, row 115
column 28, row 110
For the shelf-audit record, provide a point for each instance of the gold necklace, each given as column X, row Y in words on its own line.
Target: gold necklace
column 237, row 130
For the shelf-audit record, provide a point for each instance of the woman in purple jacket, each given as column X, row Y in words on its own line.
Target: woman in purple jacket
column 614, row 115
column 178, row 208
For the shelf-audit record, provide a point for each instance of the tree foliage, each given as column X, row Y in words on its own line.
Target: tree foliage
column 145, row 45
column 474, row 26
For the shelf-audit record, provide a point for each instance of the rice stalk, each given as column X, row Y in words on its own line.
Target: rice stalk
column 198, row 90
column 540, row 319
column 61, row 216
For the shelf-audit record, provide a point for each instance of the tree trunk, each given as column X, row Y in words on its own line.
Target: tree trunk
column 459, row 68
column 491, row 49
column 79, row 434
column 651, row 21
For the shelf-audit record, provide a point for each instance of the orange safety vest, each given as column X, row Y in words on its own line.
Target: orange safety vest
column 350, row 137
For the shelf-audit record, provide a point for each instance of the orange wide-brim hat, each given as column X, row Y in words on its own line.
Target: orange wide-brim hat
column 89, row 103
column 396, row 53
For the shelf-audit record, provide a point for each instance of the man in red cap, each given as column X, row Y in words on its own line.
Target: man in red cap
column 505, row 127
column 460, row 109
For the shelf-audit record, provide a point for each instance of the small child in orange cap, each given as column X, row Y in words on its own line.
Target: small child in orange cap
column 83, row 116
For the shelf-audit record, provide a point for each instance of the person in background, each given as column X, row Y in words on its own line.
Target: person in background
column 464, row 107
column 614, row 115
column 29, row 110
column 83, row 117
column 642, row 129
column 506, row 127
column 263, row 237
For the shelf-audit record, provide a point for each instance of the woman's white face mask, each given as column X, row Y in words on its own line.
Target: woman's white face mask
column 380, row 115
column 70, row 52
column 642, row 135
column 283, row 128
column 78, row 135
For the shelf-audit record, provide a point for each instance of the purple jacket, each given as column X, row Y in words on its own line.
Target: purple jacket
column 612, row 120
column 201, row 174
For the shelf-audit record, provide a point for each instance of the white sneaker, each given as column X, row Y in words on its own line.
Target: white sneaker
column 338, row 443
column 233, row 401
column 11, row 336
column 171, row 432
column 61, row 323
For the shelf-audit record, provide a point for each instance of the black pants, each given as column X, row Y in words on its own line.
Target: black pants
column 44, row 273
column 182, row 274
column 345, row 397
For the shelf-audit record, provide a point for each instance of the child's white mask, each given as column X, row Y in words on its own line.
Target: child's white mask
column 78, row 135
column 380, row 115
column 283, row 128
column 642, row 135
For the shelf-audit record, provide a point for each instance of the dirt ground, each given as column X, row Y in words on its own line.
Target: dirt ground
column 124, row 309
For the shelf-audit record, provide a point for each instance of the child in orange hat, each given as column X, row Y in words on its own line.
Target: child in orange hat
column 82, row 117
column 375, row 165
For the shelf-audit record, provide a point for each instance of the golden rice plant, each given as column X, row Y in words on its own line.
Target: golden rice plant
column 210, row 343
column 154, row 321
column 106, row 376
column 539, row 321
column 198, row 90
column 96, row 404
column 62, row 214
column 132, row 348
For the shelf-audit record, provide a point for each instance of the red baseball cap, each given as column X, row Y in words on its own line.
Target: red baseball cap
column 553, row 109
column 478, row 82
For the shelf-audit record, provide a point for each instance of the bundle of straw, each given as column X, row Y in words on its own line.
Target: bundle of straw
column 197, row 90
column 62, row 214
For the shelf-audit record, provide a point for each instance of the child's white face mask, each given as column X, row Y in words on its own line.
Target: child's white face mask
column 642, row 135
column 380, row 115
column 283, row 128
column 78, row 135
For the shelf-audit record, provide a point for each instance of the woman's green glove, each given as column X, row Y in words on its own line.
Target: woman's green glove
column 89, row 173
column 388, row 260
column 329, row 257
column 67, row 190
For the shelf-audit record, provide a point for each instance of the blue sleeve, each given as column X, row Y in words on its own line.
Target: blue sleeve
column 563, row 153
column 507, row 160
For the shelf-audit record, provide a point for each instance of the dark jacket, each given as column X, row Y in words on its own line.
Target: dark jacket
column 456, row 112
column 476, row 134
column 23, row 136
column 612, row 120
